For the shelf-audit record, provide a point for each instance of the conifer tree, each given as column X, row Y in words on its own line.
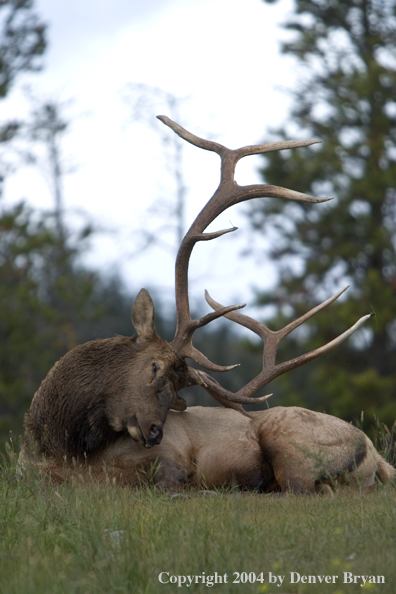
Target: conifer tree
column 22, row 44
column 346, row 52
column 22, row 41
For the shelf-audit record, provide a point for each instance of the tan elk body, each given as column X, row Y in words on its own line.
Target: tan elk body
column 104, row 403
column 279, row 449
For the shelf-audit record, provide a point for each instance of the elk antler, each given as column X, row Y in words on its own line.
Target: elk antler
column 228, row 194
column 271, row 342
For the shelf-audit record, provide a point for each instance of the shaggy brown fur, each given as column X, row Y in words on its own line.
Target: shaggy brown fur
column 107, row 387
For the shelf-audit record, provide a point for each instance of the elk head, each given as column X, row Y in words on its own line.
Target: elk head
column 106, row 387
column 157, row 374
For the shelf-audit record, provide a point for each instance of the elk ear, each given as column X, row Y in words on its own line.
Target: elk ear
column 143, row 316
column 179, row 405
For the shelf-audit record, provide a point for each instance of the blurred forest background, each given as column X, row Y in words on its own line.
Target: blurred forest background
column 50, row 301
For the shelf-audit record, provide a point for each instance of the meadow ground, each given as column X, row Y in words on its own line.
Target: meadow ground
column 85, row 539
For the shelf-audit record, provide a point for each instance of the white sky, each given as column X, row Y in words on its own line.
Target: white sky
column 221, row 54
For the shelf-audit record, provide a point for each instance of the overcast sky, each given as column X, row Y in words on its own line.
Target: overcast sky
column 223, row 57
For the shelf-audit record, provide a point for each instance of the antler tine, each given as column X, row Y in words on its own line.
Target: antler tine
column 185, row 347
column 227, row 194
column 200, row 378
column 225, row 397
column 268, row 336
column 271, row 341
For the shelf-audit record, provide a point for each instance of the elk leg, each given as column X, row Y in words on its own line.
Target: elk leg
column 169, row 475
column 293, row 481
column 289, row 473
column 164, row 473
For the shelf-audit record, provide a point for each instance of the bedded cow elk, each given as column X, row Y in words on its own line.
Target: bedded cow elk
column 279, row 449
column 105, row 400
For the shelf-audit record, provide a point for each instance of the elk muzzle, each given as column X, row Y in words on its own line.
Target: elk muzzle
column 147, row 434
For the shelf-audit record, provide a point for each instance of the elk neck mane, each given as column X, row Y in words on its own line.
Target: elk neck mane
column 74, row 395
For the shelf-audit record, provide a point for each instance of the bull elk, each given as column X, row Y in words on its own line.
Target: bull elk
column 105, row 402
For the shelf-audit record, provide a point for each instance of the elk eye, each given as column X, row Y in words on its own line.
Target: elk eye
column 155, row 368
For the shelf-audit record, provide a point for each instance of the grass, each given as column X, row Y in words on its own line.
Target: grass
column 85, row 539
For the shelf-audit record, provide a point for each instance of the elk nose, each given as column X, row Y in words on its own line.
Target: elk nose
column 155, row 436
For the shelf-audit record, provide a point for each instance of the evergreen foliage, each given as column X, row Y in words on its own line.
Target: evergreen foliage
column 22, row 44
column 46, row 301
column 22, row 41
column 346, row 50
